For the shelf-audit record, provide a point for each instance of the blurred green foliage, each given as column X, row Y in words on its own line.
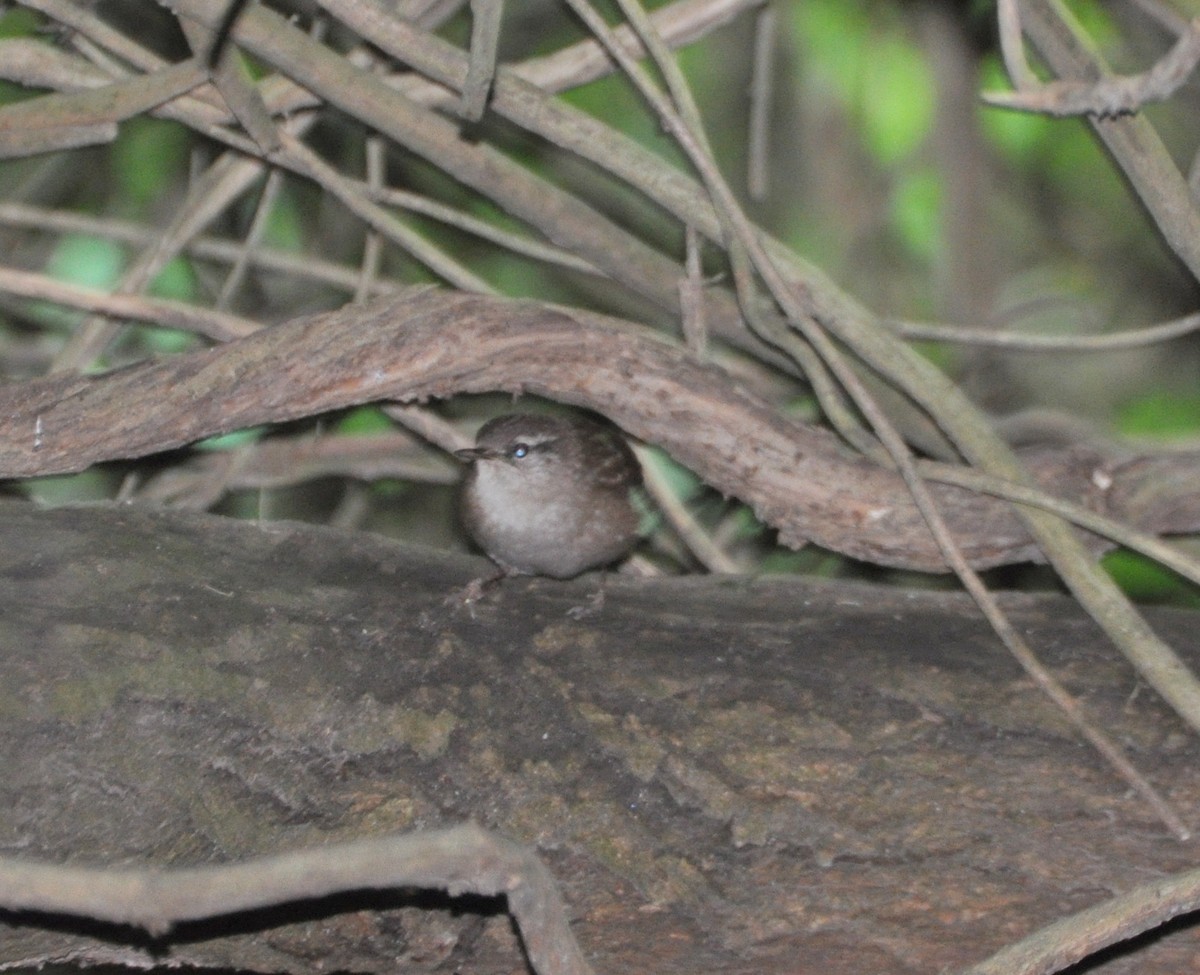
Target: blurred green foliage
column 19, row 22
column 148, row 157
column 1160, row 413
column 363, row 421
column 1146, row 581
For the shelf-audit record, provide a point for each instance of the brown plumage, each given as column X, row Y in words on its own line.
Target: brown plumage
column 550, row 495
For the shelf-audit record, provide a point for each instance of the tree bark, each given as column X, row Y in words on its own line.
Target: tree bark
column 723, row 774
column 426, row 343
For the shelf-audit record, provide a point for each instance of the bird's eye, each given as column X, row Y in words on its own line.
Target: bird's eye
column 520, row 450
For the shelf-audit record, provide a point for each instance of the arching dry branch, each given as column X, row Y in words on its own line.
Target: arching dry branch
column 436, row 344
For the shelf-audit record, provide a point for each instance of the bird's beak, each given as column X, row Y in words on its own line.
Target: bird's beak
column 474, row 453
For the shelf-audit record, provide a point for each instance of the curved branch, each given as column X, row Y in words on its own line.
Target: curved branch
column 1072, row 939
column 461, row 860
column 420, row 345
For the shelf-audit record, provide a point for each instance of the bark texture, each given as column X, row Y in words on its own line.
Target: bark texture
column 427, row 343
column 724, row 774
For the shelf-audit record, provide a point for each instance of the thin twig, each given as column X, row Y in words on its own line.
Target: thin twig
column 216, row 325
column 376, row 157
column 691, row 296
column 1024, row 342
column 1107, row 97
column 761, row 88
column 299, row 158
column 1072, row 939
column 249, row 246
column 694, row 537
column 485, row 38
column 208, row 248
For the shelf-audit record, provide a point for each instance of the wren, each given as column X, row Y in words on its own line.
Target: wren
column 550, row 495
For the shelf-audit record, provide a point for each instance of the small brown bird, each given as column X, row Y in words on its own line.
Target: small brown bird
column 550, row 495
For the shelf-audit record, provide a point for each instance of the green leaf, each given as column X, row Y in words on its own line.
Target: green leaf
column 831, row 36
column 231, row 441
column 861, row 55
column 147, row 155
column 90, row 262
column 285, row 228
column 897, row 99
column 1021, row 136
column 1145, row 581
column 363, row 421
column 95, row 484
column 1159, row 413
column 176, row 281
column 19, row 22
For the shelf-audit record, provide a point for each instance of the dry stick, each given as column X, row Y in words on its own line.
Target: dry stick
column 81, row 18
column 1109, row 96
column 429, row 426
column 680, row 23
column 1131, row 140
column 299, row 158
column 250, row 247
column 694, row 537
column 22, row 124
column 1065, row 942
column 208, row 248
column 376, row 160
column 761, row 86
column 691, row 296
column 485, row 38
column 460, row 860
column 1012, row 45
column 286, row 461
column 1024, row 342
column 239, row 92
column 517, row 243
column 694, row 147
column 216, row 325
column 207, row 198
column 428, row 14
column 1131, row 538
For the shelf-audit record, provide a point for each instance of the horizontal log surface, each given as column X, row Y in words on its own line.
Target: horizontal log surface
column 724, row 774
